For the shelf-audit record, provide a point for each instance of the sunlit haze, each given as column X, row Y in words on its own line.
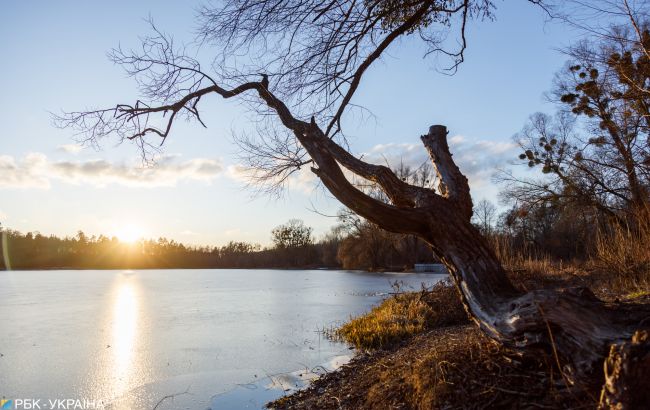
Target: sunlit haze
column 129, row 233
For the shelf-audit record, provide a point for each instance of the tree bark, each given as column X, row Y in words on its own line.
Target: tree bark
column 627, row 375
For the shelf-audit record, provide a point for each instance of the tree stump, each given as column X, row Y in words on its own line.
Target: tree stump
column 627, row 374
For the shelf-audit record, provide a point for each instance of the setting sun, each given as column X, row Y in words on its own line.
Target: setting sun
column 129, row 233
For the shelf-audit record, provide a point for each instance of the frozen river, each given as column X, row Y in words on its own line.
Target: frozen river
column 212, row 338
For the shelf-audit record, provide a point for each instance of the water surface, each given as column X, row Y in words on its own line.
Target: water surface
column 130, row 338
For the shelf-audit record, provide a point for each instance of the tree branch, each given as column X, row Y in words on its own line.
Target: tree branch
column 356, row 79
column 453, row 184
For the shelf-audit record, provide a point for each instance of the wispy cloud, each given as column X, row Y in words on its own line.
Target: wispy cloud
column 303, row 180
column 35, row 170
column 232, row 232
column 477, row 159
column 70, row 148
column 29, row 172
column 237, row 234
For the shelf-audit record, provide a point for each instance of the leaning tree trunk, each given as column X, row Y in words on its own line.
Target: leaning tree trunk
column 572, row 323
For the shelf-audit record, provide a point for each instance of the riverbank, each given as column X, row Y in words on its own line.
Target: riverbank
column 452, row 367
column 439, row 360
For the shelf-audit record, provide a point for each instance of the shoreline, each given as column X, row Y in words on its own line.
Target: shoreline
column 448, row 367
column 277, row 386
column 448, row 362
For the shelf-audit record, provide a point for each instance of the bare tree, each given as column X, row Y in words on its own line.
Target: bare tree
column 485, row 214
column 312, row 56
column 293, row 234
column 595, row 152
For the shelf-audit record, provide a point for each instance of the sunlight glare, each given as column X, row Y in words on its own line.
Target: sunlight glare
column 124, row 335
column 129, row 233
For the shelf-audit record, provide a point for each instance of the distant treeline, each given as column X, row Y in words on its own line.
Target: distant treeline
column 293, row 246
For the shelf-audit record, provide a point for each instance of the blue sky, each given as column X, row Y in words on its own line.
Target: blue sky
column 54, row 57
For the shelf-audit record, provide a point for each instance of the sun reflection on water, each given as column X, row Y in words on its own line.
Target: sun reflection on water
column 125, row 326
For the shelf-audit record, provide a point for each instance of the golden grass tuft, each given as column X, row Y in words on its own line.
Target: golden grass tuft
column 402, row 316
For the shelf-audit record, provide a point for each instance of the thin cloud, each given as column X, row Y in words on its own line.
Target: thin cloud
column 35, row 170
column 303, row 180
column 478, row 160
column 30, row 172
column 232, row 232
column 70, row 148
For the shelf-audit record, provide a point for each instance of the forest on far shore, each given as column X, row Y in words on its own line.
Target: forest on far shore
column 351, row 245
column 553, row 231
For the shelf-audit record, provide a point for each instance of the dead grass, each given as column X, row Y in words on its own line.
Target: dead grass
column 403, row 316
column 514, row 257
column 619, row 267
column 454, row 367
column 622, row 257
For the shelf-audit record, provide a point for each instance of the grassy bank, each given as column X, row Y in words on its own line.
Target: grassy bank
column 402, row 316
column 418, row 350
